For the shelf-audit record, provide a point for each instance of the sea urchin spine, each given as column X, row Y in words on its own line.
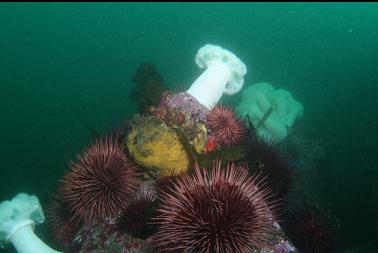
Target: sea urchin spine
column 59, row 216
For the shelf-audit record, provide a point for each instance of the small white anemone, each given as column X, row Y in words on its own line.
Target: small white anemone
column 224, row 74
column 18, row 218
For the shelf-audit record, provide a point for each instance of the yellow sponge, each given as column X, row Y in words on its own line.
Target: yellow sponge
column 156, row 146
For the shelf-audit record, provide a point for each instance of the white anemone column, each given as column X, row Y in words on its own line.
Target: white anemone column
column 224, row 74
column 25, row 240
column 18, row 218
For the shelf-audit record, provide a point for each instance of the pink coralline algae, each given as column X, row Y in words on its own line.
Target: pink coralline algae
column 186, row 104
column 106, row 237
column 284, row 247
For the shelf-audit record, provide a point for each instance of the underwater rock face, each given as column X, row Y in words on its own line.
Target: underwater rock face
column 184, row 113
column 106, row 238
column 187, row 104
column 156, row 146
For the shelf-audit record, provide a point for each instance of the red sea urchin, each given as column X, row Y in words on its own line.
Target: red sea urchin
column 310, row 229
column 59, row 216
column 226, row 126
column 101, row 182
column 135, row 218
column 271, row 160
column 217, row 211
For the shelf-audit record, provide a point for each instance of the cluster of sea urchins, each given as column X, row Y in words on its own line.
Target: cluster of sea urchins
column 214, row 210
column 100, row 182
column 225, row 126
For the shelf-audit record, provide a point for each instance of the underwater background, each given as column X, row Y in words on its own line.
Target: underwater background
column 66, row 72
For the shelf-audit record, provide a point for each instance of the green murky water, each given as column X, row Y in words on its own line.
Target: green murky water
column 65, row 69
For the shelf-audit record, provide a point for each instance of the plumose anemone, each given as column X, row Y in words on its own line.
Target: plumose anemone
column 18, row 218
column 272, row 112
column 224, row 74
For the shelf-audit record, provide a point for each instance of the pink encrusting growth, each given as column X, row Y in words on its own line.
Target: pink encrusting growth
column 101, row 182
column 226, row 126
column 215, row 210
